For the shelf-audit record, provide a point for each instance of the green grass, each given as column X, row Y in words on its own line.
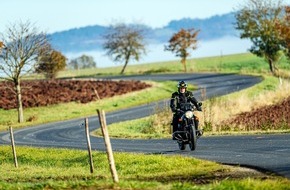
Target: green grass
column 135, row 129
column 237, row 63
column 245, row 63
column 46, row 168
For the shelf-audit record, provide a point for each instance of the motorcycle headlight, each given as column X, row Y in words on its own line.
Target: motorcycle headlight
column 189, row 114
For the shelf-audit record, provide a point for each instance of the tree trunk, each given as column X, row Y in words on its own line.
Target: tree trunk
column 185, row 69
column 127, row 60
column 19, row 101
column 271, row 65
column 184, row 65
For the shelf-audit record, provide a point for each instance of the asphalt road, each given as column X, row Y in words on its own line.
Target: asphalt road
column 264, row 152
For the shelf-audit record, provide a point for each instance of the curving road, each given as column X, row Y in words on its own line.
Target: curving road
column 265, row 152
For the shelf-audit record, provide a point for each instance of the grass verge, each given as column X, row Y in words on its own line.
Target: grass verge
column 46, row 168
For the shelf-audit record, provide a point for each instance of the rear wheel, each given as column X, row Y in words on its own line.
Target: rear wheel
column 192, row 140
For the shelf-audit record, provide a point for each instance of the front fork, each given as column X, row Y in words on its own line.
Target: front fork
column 185, row 130
column 182, row 129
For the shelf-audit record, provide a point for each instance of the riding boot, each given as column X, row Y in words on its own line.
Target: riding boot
column 196, row 122
column 174, row 126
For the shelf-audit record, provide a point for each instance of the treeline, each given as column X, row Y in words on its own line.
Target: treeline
column 90, row 37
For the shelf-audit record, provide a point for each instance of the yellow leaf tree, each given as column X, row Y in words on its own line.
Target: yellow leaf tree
column 51, row 63
column 182, row 42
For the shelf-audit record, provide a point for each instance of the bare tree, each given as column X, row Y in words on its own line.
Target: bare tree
column 182, row 42
column 22, row 47
column 124, row 43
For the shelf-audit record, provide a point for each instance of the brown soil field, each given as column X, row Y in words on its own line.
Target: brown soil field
column 268, row 117
column 48, row 92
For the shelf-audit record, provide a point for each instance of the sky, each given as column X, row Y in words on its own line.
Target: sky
column 59, row 15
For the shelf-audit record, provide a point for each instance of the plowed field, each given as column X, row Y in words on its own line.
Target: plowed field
column 268, row 117
column 44, row 92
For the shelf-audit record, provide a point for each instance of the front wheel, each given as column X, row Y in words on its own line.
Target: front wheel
column 181, row 145
column 192, row 140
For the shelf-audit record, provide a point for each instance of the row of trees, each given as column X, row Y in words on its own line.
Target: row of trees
column 23, row 49
column 82, row 62
column 265, row 22
column 124, row 43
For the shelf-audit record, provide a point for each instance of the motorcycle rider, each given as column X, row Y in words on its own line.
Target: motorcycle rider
column 182, row 96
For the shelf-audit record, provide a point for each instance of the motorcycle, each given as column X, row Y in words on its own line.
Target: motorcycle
column 187, row 132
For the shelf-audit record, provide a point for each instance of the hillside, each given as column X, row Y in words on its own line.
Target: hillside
column 90, row 37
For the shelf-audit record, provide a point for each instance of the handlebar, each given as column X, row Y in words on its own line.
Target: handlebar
column 189, row 106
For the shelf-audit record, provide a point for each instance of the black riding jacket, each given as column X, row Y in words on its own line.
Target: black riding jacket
column 177, row 98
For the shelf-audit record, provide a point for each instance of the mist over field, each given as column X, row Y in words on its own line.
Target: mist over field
column 217, row 37
column 155, row 52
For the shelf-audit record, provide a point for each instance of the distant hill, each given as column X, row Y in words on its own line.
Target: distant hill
column 90, row 37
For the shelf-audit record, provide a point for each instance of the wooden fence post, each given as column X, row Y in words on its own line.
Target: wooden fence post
column 89, row 145
column 13, row 146
column 102, row 120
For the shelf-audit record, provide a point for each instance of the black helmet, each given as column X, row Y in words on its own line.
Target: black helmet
column 182, row 84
